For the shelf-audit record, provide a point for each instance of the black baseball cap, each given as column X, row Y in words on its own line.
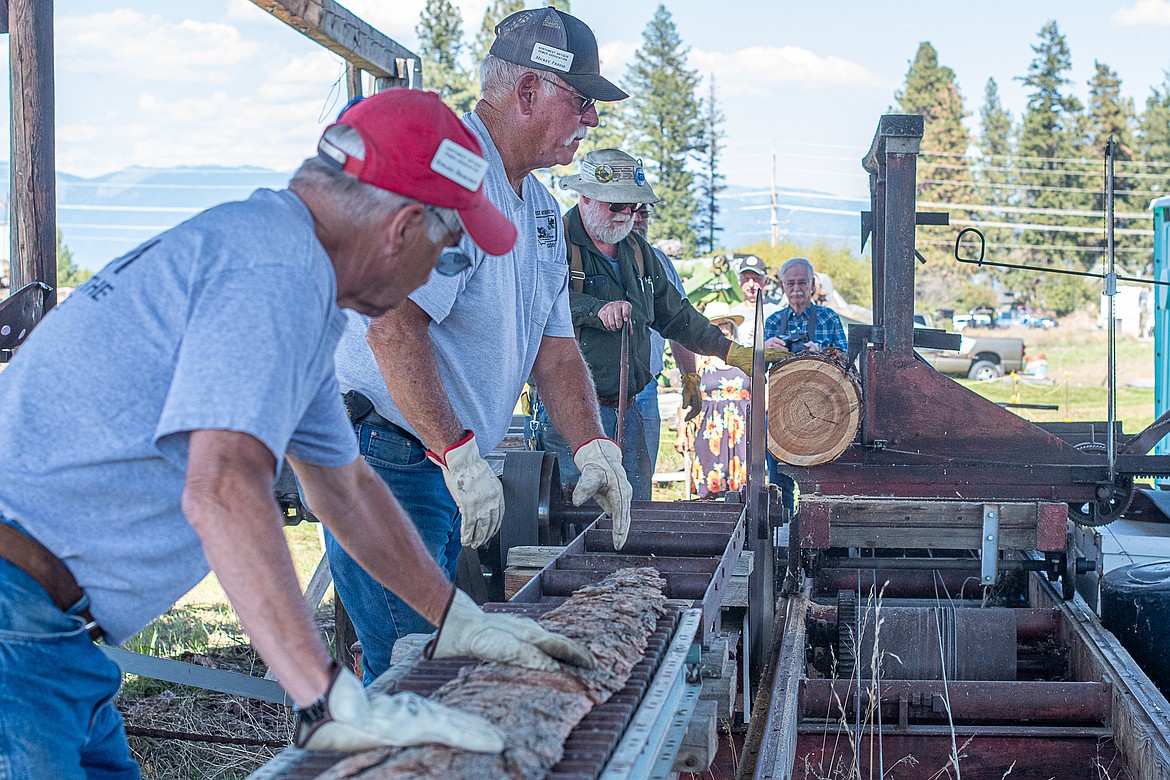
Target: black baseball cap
column 550, row 40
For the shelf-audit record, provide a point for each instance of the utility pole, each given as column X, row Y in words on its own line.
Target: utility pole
column 33, row 223
column 775, row 212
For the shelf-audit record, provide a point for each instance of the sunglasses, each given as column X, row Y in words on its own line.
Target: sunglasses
column 451, row 262
column 619, row 207
column 585, row 103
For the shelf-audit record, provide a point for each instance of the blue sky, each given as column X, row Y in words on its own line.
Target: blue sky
column 221, row 82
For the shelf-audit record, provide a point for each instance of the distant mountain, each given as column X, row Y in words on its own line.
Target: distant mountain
column 803, row 216
column 105, row 216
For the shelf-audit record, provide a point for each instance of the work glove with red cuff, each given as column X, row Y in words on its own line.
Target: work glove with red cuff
column 477, row 490
column 349, row 718
column 468, row 630
column 603, row 478
column 741, row 357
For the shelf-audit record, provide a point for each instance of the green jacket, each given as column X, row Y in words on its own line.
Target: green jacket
column 655, row 304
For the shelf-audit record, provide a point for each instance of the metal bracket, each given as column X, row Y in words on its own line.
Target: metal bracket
column 650, row 744
column 990, row 552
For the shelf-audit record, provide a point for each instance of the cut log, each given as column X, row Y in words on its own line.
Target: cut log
column 536, row 710
column 814, row 408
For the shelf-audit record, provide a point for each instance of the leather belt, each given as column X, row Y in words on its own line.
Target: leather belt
column 612, row 402
column 361, row 410
column 38, row 562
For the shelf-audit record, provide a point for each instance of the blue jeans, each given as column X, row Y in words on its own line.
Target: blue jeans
column 57, row 714
column 379, row 617
column 635, row 459
column 651, row 421
column 786, row 483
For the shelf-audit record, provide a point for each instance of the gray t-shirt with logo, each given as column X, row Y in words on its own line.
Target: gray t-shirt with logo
column 487, row 322
column 226, row 322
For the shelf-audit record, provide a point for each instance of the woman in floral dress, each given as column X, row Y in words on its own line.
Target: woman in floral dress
column 720, row 432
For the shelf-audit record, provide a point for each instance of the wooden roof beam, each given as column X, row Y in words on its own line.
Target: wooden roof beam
column 356, row 41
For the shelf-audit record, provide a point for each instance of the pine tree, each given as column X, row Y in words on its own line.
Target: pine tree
column 1153, row 140
column 1051, row 154
column 664, row 125
column 1112, row 115
column 944, row 175
column 68, row 274
column 993, row 170
column 496, row 12
column 440, row 36
column 711, row 181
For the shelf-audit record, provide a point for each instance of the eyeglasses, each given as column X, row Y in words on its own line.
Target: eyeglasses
column 586, row 103
column 451, row 260
column 795, row 282
column 619, row 207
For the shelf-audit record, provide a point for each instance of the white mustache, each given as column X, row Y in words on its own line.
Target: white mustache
column 578, row 135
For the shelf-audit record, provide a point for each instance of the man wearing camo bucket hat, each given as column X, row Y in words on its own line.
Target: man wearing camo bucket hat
column 615, row 278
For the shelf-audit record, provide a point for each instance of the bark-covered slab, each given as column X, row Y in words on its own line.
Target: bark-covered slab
column 536, row 710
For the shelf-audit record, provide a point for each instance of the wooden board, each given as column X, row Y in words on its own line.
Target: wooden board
column 814, row 409
column 536, row 710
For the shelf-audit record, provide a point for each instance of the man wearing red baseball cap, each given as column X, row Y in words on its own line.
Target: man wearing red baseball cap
column 146, row 416
column 432, row 385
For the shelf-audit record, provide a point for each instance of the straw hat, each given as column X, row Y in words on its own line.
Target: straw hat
column 717, row 311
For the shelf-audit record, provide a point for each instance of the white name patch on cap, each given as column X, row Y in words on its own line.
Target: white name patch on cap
column 460, row 165
column 550, row 57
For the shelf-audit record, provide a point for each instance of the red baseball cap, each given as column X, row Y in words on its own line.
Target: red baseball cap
column 416, row 147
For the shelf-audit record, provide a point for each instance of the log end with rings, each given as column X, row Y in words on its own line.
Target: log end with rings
column 814, row 408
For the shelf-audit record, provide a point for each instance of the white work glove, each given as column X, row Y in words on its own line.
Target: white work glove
column 477, row 490
column 603, row 478
column 468, row 630
column 348, row 719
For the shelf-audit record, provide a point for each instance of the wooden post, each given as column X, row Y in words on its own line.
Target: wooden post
column 353, row 81
column 33, row 219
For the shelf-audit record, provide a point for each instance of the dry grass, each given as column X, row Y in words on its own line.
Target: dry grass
column 201, row 628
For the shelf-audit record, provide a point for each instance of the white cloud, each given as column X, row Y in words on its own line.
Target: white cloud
column 1156, row 12
column 754, row 70
column 125, row 41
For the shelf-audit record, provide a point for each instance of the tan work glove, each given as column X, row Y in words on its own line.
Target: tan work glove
column 741, row 357
column 692, row 397
column 477, row 490
column 348, row 719
column 603, row 478
column 468, row 630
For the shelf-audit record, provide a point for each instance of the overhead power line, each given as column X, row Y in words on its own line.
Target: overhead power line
column 1044, row 187
column 1045, row 171
column 1030, row 210
column 1076, row 160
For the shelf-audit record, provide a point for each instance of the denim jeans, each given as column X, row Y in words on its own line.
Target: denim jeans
column 57, row 714
column 651, row 421
column 379, row 617
column 635, row 459
column 786, row 483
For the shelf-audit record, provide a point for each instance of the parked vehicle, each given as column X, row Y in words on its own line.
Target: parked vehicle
column 978, row 357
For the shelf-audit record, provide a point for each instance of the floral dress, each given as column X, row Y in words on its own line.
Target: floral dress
column 720, row 462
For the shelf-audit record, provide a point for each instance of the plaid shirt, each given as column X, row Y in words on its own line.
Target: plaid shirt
column 830, row 332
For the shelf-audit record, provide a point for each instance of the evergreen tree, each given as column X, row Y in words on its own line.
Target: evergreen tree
column 945, row 175
column 68, row 274
column 1048, row 147
column 664, row 125
column 440, row 36
column 1111, row 115
column 1153, row 140
column 496, row 12
column 993, row 170
column 711, row 181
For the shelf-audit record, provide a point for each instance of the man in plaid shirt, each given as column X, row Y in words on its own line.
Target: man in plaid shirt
column 802, row 325
column 799, row 327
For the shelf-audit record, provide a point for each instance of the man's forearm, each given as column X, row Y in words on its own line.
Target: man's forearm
column 683, row 357
column 566, row 389
column 358, row 508
column 229, row 503
column 405, row 355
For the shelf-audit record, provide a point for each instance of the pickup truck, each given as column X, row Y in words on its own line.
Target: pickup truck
column 978, row 357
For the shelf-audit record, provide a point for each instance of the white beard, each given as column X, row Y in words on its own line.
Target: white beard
column 604, row 230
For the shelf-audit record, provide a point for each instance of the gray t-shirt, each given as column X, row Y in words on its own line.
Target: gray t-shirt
column 229, row 322
column 657, row 343
column 487, row 322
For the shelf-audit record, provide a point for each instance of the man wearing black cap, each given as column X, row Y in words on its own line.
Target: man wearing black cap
column 432, row 384
column 753, row 282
